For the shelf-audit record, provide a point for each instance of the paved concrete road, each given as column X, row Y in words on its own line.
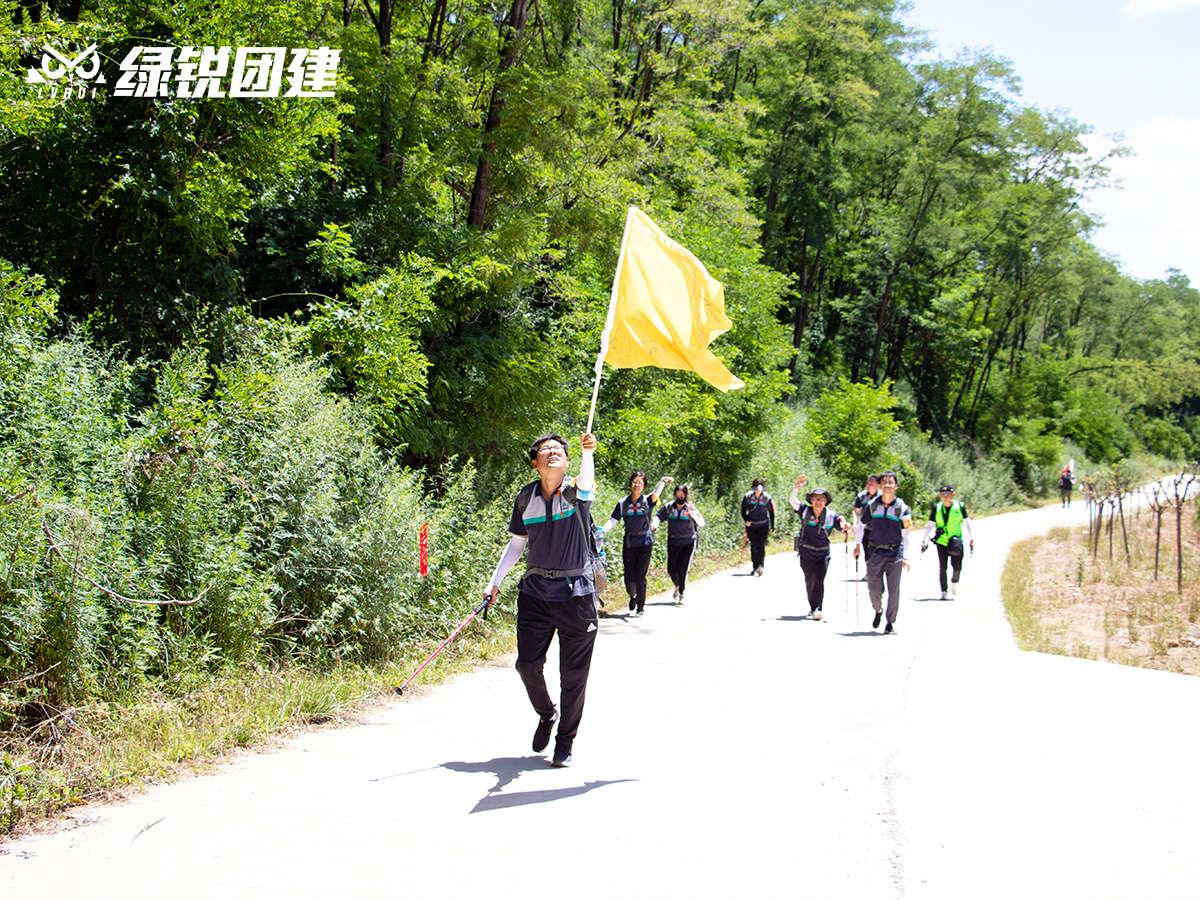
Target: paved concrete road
column 729, row 747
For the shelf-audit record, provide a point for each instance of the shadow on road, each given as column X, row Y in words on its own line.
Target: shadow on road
column 525, row 798
column 857, row 634
column 932, row 599
column 508, row 769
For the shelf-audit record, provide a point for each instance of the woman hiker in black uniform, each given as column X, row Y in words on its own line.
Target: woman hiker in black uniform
column 758, row 512
column 817, row 520
column 636, row 511
column 683, row 524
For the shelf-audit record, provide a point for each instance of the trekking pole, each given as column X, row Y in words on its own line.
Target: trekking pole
column 745, row 537
column 856, row 592
column 481, row 608
column 846, row 554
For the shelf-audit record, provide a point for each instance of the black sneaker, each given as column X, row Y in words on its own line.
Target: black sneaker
column 889, row 628
column 632, row 604
column 561, row 760
column 541, row 737
column 878, row 617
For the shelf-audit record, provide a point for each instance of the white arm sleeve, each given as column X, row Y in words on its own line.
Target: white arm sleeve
column 658, row 488
column 794, row 499
column 967, row 529
column 586, row 480
column 858, row 532
column 697, row 518
column 516, row 546
column 930, row 528
column 609, row 526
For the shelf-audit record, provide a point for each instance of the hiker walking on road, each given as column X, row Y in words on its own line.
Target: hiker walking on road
column 683, row 533
column 864, row 497
column 553, row 517
column 948, row 519
column 636, row 511
column 885, row 519
column 817, row 520
column 1065, row 482
column 758, row 512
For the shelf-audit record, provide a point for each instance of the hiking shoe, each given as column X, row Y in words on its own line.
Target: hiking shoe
column 878, row 617
column 675, row 596
column 889, row 628
column 953, row 588
column 561, row 760
column 632, row 604
column 680, row 600
column 640, row 612
column 816, row 614
column 758, row 571
column 541, row 737
column 945, row 595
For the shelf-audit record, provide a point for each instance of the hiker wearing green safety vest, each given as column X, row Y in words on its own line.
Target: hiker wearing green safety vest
column 948, row 519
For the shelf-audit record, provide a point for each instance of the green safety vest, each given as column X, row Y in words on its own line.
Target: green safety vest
column 950, row 521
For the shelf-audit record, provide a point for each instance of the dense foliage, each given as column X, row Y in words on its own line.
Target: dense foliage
column 248, row 345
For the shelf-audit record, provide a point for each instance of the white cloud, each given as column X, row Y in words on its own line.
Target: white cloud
column 1154, row 222
column 1138, row 8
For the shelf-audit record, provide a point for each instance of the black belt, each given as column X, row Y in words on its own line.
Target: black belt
column 884, row 546
column 811, row 547
column 554, row 573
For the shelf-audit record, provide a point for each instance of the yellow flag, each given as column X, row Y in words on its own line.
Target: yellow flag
column 665, row 307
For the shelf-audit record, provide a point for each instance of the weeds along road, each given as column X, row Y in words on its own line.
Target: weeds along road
column 729, row 747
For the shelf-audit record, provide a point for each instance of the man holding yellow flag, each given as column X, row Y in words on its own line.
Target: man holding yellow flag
column 664, row 311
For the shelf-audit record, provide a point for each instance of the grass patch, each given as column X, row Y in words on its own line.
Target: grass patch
column 1068, row 593
column 53, row 760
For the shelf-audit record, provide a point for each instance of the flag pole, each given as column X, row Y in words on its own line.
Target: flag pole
column 608, row 322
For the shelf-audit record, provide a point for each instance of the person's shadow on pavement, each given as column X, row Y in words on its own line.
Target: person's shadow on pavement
column 508, row 769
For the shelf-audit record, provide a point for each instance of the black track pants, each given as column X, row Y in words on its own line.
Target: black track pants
column 955, row 563
column 636, row 561
column 758, row 535
column 814, row 580
column 679, row 560
column 576, row 623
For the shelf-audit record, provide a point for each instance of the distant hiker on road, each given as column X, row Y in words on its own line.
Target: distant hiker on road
column 947, row 521
column 553, row 517
column 817, row 520
column 636, row 511
column 683, row 532
column 885, row 518
column 758, row 512
column 1065, row 482
column 864, row 497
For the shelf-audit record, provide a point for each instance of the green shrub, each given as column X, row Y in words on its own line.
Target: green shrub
column 1166, row 439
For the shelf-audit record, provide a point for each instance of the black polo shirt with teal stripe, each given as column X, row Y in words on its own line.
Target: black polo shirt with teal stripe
column 681, row 527
column 886, row 524
column 557, row 539
column 636, row 516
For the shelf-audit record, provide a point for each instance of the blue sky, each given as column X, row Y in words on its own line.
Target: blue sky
column 1122, row 66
